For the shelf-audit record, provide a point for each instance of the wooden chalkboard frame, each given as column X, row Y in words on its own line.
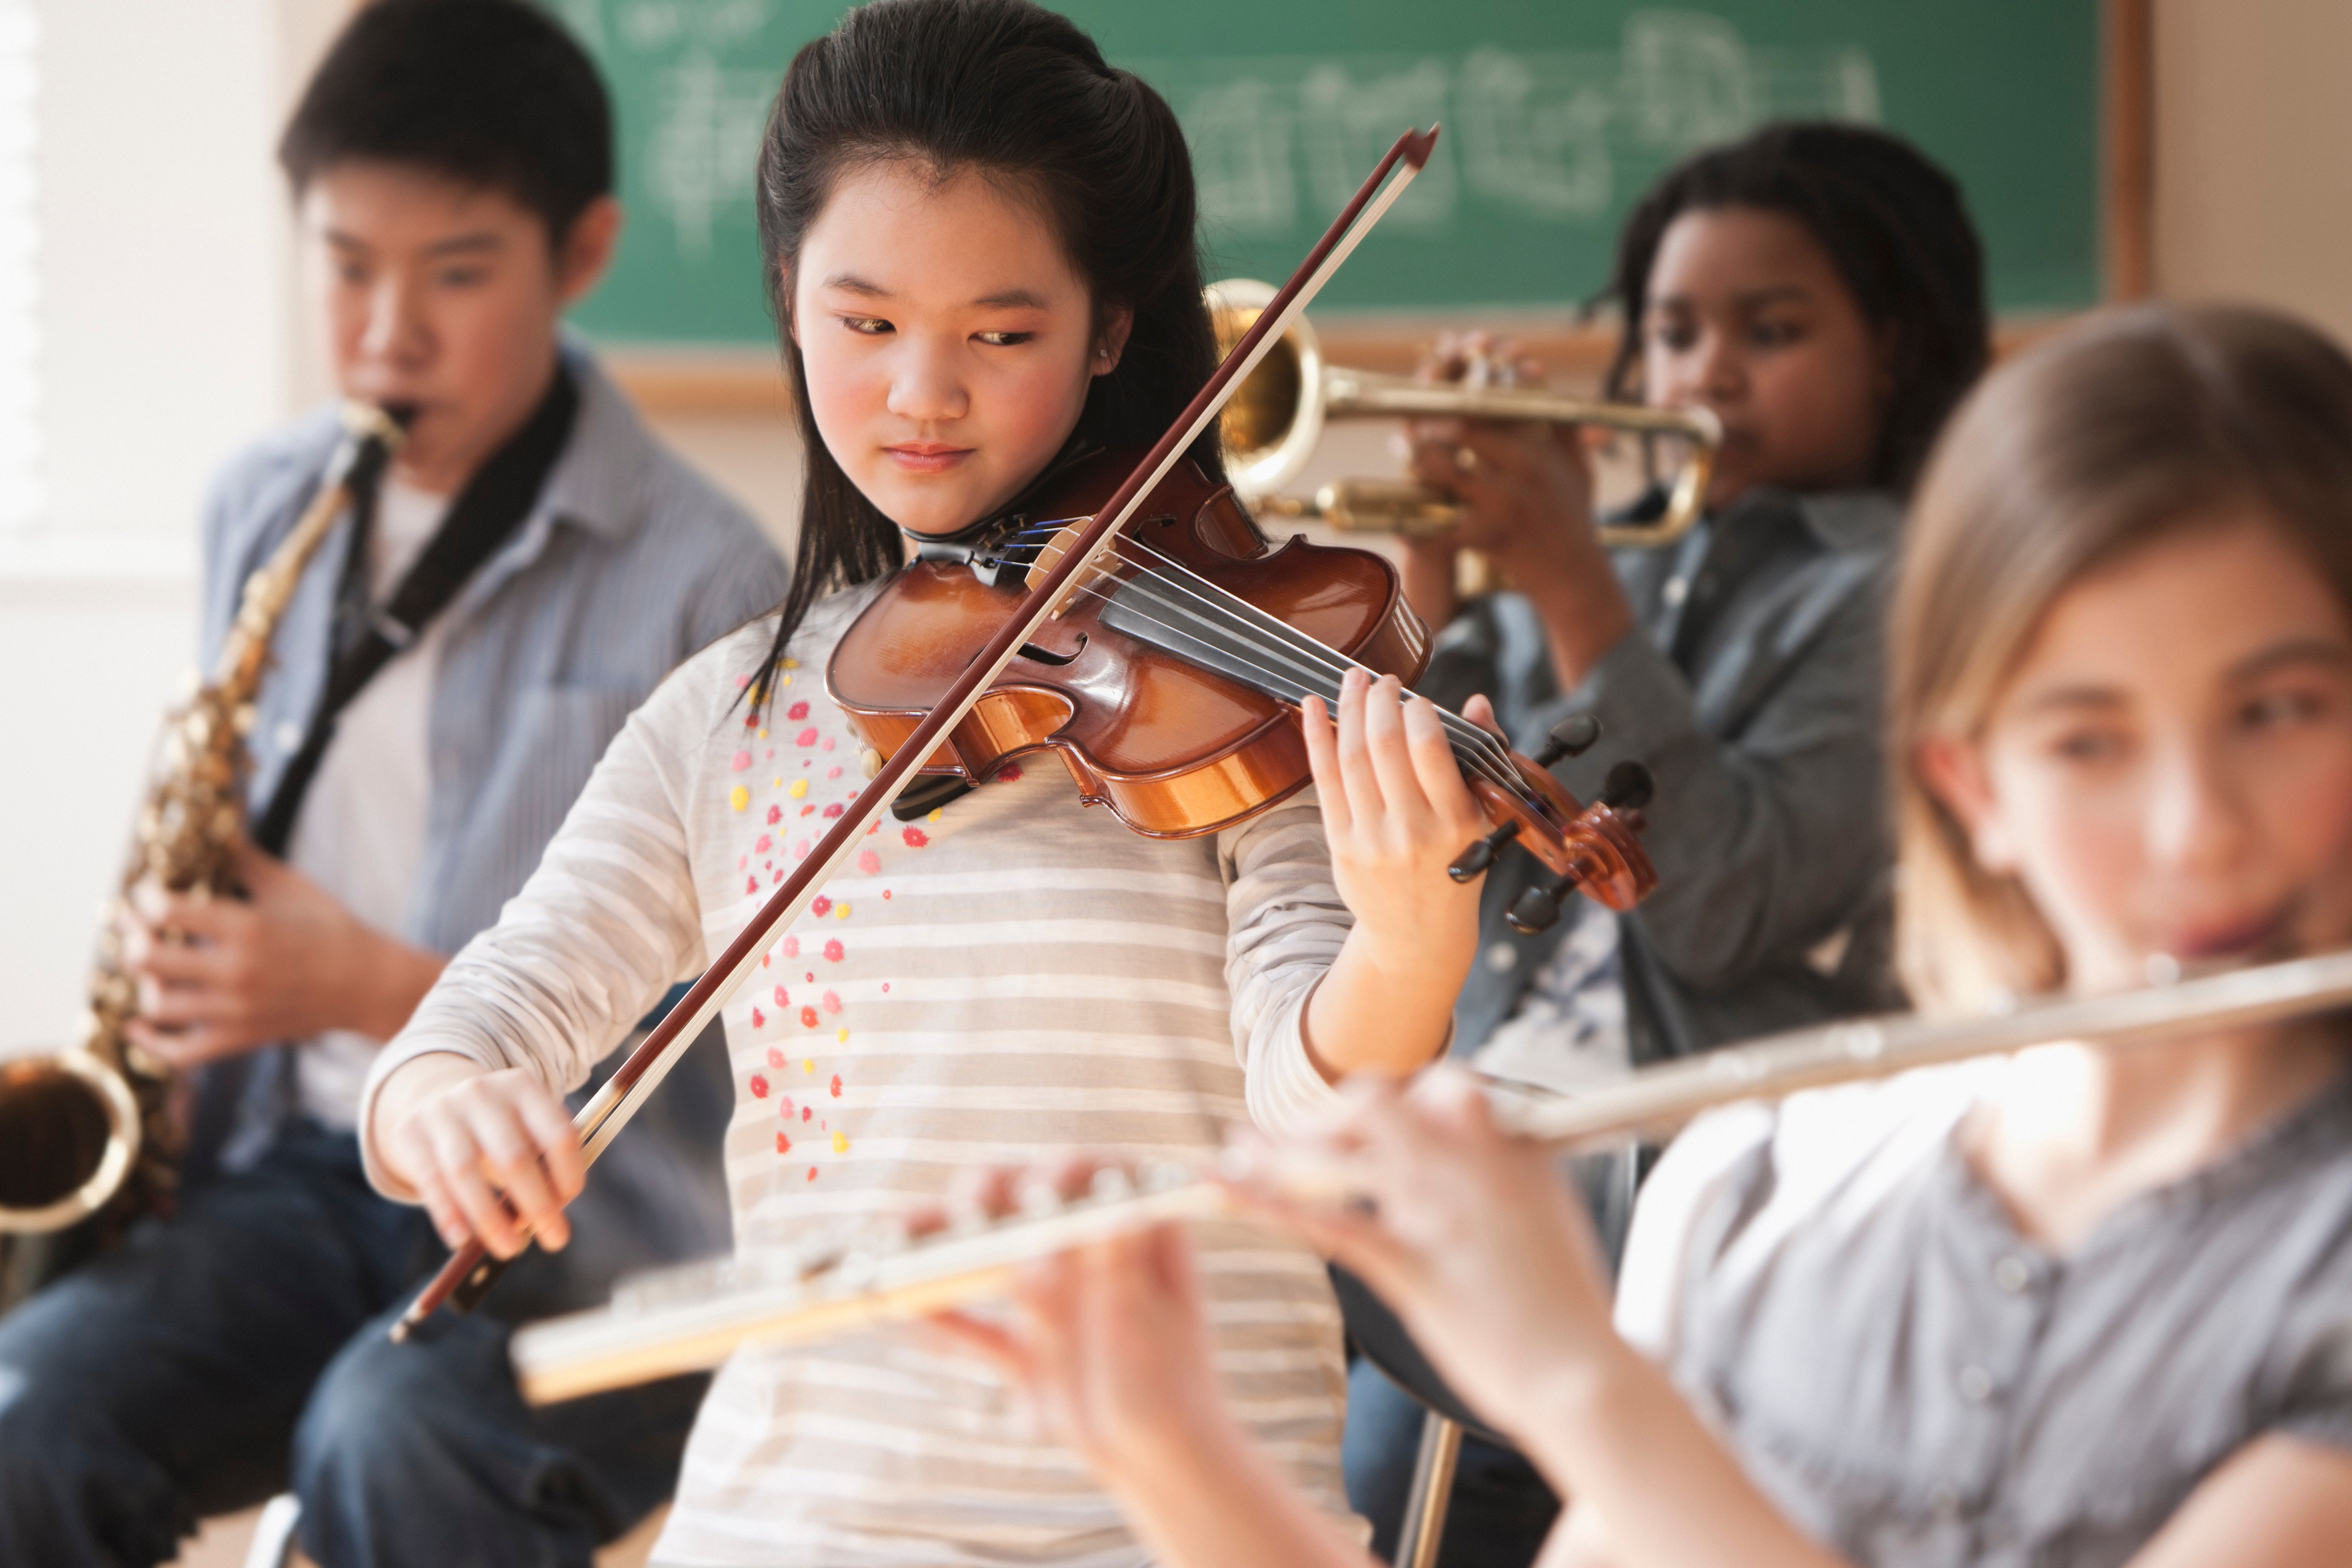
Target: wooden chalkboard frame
column 739, row 384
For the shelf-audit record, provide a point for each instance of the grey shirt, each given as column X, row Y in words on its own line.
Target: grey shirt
column 1751, row 691
column 1916, row 1385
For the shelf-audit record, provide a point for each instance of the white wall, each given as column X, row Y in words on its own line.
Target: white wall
column 166, row 341
column 755, row 458
column 2253, row 154
column 163, row 262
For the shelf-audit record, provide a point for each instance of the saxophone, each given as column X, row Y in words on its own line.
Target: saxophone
column 91, row 1137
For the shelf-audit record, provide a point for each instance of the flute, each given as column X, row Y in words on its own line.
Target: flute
column 692, row 1319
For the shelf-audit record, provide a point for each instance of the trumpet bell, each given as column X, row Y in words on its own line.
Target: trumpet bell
column 1273, row 423
column 1274, row 418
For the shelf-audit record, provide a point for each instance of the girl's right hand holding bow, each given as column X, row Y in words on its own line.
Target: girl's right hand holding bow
column 491, row 1154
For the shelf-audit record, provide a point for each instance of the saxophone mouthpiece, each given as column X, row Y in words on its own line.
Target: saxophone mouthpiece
column 387, row 424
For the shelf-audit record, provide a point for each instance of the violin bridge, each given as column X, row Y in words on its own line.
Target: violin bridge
column 1093, row 580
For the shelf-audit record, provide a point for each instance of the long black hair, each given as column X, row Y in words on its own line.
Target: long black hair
column 1893, row 226
column 1011, row 90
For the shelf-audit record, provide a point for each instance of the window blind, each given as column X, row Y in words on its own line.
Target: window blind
column 20, row 497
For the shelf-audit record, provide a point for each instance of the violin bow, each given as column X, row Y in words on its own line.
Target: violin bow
column 470, row 1269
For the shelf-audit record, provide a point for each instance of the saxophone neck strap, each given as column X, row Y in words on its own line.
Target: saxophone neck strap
column 367, row 636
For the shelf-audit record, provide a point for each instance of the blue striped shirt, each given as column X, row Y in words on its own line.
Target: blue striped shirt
column 628, row 562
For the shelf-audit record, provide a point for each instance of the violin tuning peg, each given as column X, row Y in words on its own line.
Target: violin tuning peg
column 1537, row 909
column 1474, row 859
column 1571, row 736
column 1628, row 788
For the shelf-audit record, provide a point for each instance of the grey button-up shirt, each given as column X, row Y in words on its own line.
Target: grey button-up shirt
column 1751, row 690
column 628, row 562
column 1917, row 1386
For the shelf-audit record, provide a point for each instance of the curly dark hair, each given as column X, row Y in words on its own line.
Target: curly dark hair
column 1893, row 226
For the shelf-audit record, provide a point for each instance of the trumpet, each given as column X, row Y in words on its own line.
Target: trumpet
column 1271, row 428
column 693, row 1318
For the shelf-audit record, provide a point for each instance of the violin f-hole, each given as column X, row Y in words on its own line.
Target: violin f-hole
column 1047, row 655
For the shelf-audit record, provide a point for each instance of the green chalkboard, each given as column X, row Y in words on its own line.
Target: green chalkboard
column 1558, row 113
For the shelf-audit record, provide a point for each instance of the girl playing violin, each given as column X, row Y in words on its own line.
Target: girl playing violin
column 981, row 242
column 2089, row 1305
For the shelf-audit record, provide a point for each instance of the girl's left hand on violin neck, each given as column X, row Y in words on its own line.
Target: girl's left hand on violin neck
column 1395, row 813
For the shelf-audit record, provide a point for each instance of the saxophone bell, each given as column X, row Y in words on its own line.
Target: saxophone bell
column 69, row 1132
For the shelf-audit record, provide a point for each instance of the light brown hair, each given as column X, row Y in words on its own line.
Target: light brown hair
column 2115, row 433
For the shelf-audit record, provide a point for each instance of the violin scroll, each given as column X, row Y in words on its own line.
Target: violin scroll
column 1607, row 859
column 1594, row 848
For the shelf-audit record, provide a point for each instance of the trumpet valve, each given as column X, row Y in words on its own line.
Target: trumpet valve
column 1386, row 506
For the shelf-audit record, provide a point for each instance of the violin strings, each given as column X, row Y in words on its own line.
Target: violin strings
column 1280, row 680
column 1231, row 613
column 1467, row 737
column 1210, row 592
column 1234, row 604
column 1293, row 667
column 1283, row 655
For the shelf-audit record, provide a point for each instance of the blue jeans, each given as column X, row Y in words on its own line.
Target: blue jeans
column 239, row 1346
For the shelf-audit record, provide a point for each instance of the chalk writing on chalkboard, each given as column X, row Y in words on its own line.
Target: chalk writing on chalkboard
column 1556, row 137
column 1541, row 135
column 1556, row 118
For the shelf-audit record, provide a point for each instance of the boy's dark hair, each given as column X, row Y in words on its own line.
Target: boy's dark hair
column 1893, row 226
column 491, row 93
column 1013, row 90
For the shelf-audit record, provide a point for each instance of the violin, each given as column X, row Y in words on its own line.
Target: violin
column 1168, row 679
